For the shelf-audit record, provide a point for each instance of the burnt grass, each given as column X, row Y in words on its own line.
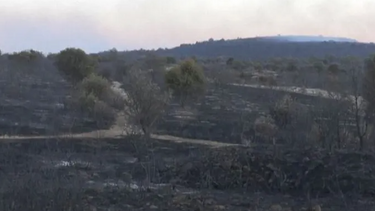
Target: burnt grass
column 221, row 114
column 178, row 176
column 32, row 101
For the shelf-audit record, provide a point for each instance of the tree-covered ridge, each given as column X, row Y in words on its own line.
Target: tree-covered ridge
column 260, row 48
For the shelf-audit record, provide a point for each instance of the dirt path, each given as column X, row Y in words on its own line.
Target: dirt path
column 118, row 133
column 192, row 141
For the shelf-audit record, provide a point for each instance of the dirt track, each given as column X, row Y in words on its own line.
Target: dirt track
column 117, row 134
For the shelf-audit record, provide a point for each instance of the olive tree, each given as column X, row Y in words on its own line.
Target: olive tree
column 186, row 80
column 75, row 64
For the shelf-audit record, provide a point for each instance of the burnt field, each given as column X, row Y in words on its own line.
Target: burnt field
column 133, row 174
column 226, row 112
column 63, row 144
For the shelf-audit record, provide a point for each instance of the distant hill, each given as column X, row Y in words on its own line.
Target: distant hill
column 273, row 46
column 304, row 38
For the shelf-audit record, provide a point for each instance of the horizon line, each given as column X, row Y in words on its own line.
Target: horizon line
column 201, row 41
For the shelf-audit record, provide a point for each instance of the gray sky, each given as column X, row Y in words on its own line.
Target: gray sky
column 95, row 25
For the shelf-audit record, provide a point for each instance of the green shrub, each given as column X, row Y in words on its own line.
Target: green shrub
column 187, row 80
column 100, row 87
column 75, row 64
column 333, row 68
column 95, row 84
column 86, row 101
column 26, row 56
column 89, row 104
column 171, row 60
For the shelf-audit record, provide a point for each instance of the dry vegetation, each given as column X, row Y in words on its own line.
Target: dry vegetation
column 274, row 149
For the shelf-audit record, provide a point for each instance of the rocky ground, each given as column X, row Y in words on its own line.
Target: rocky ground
column 132, row 174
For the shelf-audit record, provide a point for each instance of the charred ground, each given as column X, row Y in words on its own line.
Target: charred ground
column 312, row 146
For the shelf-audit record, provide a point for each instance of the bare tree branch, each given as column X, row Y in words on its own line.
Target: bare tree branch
column 145, row 102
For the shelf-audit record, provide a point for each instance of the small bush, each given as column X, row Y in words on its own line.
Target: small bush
column 115, row 100
column 265, row 127
column 100, row 87
column 347, row 139
column 187, row 80
column 95, row 84
column 321, row 135
column 171, row 60
column 89, row 104
column 105, row 73
column 103, row 114
column 282, row 112
column 317, row 134
column 230, row 61
column 333, row 69
column 86, row 101
column 246, row 75
column 267, row 80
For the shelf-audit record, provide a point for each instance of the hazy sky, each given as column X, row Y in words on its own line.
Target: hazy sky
column 95, row 25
